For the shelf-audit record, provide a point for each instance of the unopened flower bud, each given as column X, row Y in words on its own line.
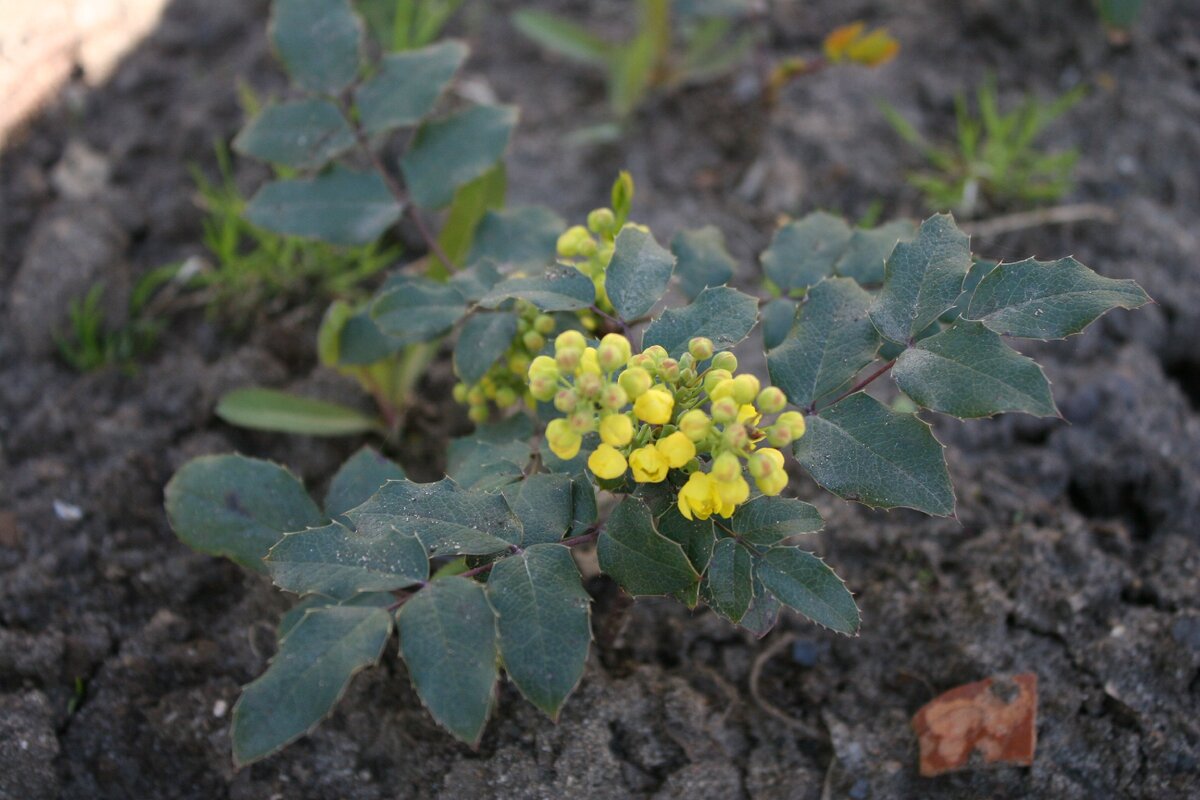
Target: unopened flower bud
column 568, row 358
column 771, row 400
column 616, row 430
column 793, row 421
column 701, row 348
column 544, row 324
column 695, row 424
column 570, row 340
column 669, row 370
column 725, row 360
column 656, row 353
column 714, row 377
column 726, row 467
column 613, row 397
column 635, row 381
column 533, row 341
column 601, row 220
column 745, row 388
column 654, row 406
column 565, row 400
column 765, row 463
column 614, row 351
column 735, row 437
column 589, row 385
column 725, row 410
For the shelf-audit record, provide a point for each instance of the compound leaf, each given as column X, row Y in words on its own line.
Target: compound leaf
column 543, row 623
column 638, row 557
column 638, row 274
column 447, row 519
column 483, row 339
column 922, row 279
column 804, row 582
column 728, row 586
column 293, row 615
column 417, row 309
column 831, row 339
column 447, row 153
column 341, row 206
column 1048, row 299
column 804, row 251
column 766, row 521
column 701, row 259
column 304, row 134
column 860, row 449
column 339, row 562
column 358, row 478
column 968, row 371
column 559, row 288
column 777, row 317
column 722, row 314
column 237, row 507
column 448, row 640
column 318, row 41
column 314, row 665
column 695, row 536
column 408, row 85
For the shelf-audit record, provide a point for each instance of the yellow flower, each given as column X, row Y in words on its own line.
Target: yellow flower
column 698, row 498
column 543, row 365
column 772, row 484
column 570, row 340
column 677, row 448
column 726, row 467
column 655, row 406
column 722, row 389
column 748, row 413
column 563, row 441
column 766, row 462
column 590, row 363
column 606, row 462
column 648, row 465
column 732, row 494
column 616, row 430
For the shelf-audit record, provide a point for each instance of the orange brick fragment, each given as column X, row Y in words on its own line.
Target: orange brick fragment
column 995, row 717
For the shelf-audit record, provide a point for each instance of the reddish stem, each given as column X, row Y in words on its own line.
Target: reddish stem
column 858, row 387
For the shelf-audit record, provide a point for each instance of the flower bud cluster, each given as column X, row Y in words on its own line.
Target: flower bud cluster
column 655, row 413
column 504, row 384
column 590, row 249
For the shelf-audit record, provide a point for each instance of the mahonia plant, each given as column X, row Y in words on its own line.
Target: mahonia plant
column 666, row 455
column 333, row 186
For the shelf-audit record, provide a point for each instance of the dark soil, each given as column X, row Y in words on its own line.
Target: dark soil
column 1075, row 555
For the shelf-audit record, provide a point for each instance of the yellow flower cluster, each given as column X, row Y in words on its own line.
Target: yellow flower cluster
column 649, row 412
column 590, row 249
column 505, row 383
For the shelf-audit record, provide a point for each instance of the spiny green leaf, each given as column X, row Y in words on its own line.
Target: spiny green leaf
column 695, row 536
column 272, row 410
column 318, row 41
column 968, row 371
column 483, row 339
column 638, row 274
column 449, row 152
column 309, row 674
column 922, row 279
column 861, row 450
column 338, row 562
column 408, row 85
column 763, row 613
column 806, row 583
column 476, row 280
column 341, row 206
column 557, row 289
column 804, row 251
column 237, row 507
column 448, row 640
column 766, row 521
column 702, row 260
column 638, row 557
column 544, row 505
column 358, row 478
column 1048, row 299
column 542, row 620
column 722, row 314
column 447, row 519
column 304, row 134
column 867, row 251
column 979, row 268
column 728, row 586
column 418, row 310
column 293, row 615
column 831, row 339
column 524, row 237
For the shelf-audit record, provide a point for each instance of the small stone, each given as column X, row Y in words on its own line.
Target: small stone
column 67, row 512
column 995, row 717
column 219, row 709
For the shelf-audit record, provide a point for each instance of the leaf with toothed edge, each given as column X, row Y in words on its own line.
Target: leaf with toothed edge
column 722, row 314
column 1048, row 299
column 237, row 507
column 544, row 503
column 448, row 640
column 418, row 309
column 777, row 316
column 339, row 562
column 802, row 581
column 340, row 206
column 407, row 85
column 861, row 450
column 763, row 613
column 702, row 260
column 638, row 274
column 922, row 279
column 728, row 586
column 308, row 675
column 804, row 251
column 293, row 615
column 446, row 518
column 358, row 478
column 766, row 521
column 318, row 41
column 484, row 337
column 304, row 134
column 446, row 153
column 559, row 288
column 867, row 251
column 968, row 371
column 638, row 557
column 542, row 618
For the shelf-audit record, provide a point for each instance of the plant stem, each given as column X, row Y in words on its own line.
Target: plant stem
column 389, row 180
column 858, row 387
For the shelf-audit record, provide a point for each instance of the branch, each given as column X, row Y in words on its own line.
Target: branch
column 1058, row 215
column 858, row 387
